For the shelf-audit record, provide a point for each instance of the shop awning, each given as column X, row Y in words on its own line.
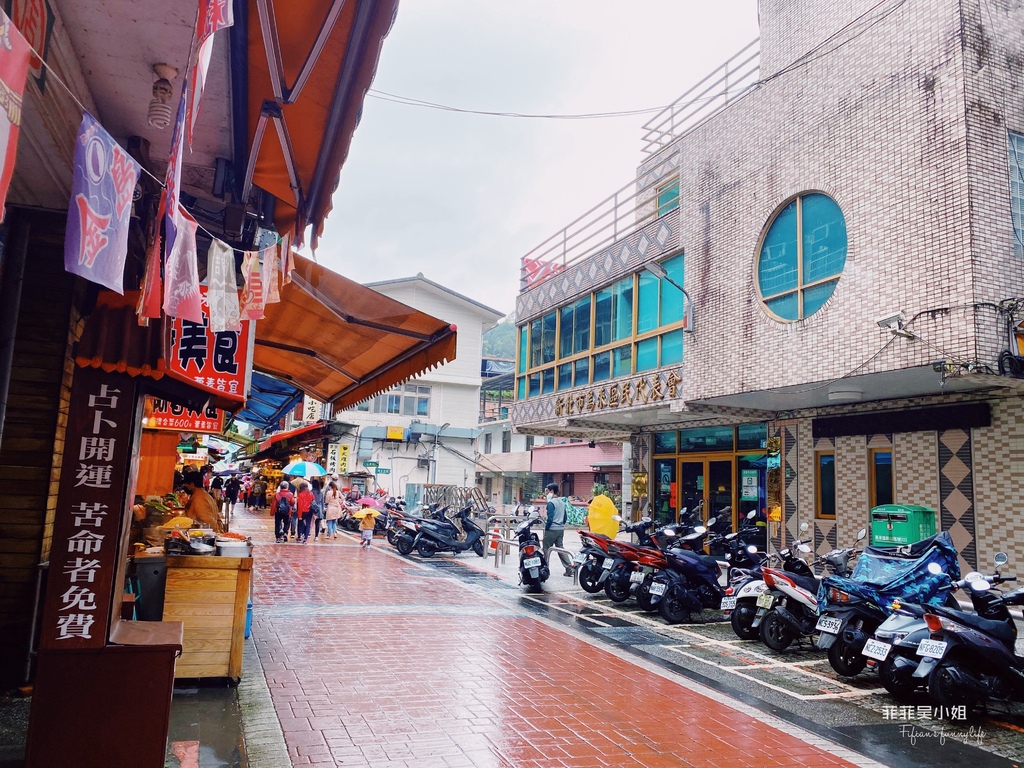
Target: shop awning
column 286, row 440
column 268, row 402
column 341, row 342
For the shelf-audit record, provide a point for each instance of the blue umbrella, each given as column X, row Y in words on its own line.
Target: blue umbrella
column 304, row 469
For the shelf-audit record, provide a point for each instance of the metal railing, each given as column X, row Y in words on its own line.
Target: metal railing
column 503, row 543
column 634, row 205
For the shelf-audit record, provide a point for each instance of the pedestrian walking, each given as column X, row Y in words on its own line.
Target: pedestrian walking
column 334, row 503
column 231, row 489
column 319, row 519
column 554, row 526
column 304, row 509
column 258, row 494
column 367, row 518
column 284, row 504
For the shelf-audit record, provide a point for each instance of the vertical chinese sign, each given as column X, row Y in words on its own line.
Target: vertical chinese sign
column 92, row 505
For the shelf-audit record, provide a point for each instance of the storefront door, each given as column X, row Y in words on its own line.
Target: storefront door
column 707, row 481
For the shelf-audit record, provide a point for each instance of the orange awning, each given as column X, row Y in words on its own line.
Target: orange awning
column 310, row 63
column 341, row 342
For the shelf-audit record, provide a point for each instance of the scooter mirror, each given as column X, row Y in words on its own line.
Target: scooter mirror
column 803, row 527
column 752, row 549
column 934, row 568
column 1000, row 559
column 981, row 585
column 973, row 576
column 617, row 518
column 731, row 536
column 711, row 521
column 701, row 529
column 668, row 532
column 645, row 519
column 803, row 548
column 751, row 514
column 862, row 533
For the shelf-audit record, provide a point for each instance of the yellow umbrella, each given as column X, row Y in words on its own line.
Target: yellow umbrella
column 599, row 516
column 366, row 511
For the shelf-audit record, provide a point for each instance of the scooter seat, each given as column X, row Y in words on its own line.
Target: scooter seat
column 1000, row 630
column 709, row 561
column 808, row 583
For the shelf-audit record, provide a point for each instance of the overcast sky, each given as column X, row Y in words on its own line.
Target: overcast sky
column 461, row 197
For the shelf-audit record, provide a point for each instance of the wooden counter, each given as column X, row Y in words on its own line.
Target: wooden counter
column 209, row 596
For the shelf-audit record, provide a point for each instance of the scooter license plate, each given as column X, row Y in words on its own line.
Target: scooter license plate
column 766, row 600
column 728, row 603
column 636, row 577
column 533, row 562
column 657, row 588
column 936, row 649
column 608, row 563
column 580, row 558
column 829, row 624
column 875, row 649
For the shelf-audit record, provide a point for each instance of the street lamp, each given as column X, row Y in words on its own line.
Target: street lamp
column 659, row 272
column 433, row 458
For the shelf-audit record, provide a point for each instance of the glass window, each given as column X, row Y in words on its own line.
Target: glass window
column 647, row 354
column 522, row 350
column 622, row 361
column 668, row 197
column 671, row 304
column 582, row 372
column 826, row 485
column 393, row 403
column 752, row 437
column 565, row 376
column 529, row 442
column 549, row 323
column 802, row 256
column 364, row 406
column 581, row 332
column 647, row 302
column 548, row 380
column 664, row 492
column 565, row 331
column 1017, row 192
column 665, row 442
column 488, row 442
column 881, row 478
column 534, row 384
column 706, row 439
column 622, row 309
column 536, row 337
column 506, row 441
column 602, row 366
column 672, row 348
column 521, row 388
column 603, row 317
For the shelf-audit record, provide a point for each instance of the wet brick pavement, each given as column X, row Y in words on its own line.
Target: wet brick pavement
column 371, row 659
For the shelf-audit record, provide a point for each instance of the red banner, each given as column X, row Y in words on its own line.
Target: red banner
column 14, row 56
column 216, row 362
column 163, row 415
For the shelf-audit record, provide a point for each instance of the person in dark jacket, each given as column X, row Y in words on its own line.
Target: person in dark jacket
column 554, row 526
column 284, row 506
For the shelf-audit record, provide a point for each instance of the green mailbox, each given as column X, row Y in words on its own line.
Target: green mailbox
column 899, row 524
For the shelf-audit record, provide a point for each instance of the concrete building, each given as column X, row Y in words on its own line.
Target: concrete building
column 843, row 204
column 424, row 431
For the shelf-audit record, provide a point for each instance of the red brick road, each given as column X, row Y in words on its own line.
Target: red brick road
column 373, row 660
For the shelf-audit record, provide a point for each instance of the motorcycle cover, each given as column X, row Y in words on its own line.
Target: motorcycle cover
column 883, row 574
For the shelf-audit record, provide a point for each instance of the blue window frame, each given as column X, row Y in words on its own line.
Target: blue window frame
column 802, row 255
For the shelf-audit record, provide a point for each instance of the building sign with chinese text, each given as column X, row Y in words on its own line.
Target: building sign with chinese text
column 91, row 505
column 312, row 410
column 395, row 433
column 219, row 363
column 337, row 459
column 161, row 414
column 646, row 389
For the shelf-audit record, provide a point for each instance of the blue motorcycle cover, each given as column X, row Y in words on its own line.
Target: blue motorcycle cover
column 883, row 574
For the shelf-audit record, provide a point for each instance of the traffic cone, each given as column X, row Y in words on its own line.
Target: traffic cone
column 492, row 545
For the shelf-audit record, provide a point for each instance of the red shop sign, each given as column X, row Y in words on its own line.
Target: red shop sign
column 161, row 414
column 219, row 363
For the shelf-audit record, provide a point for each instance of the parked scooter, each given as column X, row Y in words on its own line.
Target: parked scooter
column 851, row 609
column 690, row 582
column 409, row 527
column 435, row 536
column 591, row 559
column 894, row 649
column 740, row 603
column 533, row 569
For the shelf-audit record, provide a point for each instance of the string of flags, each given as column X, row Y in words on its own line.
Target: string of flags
column 103, row 185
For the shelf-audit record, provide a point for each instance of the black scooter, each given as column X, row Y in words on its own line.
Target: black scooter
column 533, row 568
column 435, row 536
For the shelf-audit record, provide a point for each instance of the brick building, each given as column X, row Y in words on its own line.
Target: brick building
column 843, row 204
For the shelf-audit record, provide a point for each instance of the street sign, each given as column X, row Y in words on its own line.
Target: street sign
column 369, row 464
column 383, row 471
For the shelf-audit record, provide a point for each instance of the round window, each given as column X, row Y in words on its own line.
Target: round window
column 803, row 253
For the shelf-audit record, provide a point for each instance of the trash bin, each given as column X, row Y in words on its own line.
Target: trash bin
column 899, row 524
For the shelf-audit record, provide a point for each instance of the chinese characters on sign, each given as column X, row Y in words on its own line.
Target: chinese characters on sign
column 312, row 410
column 647, row 389
column 91, row 503
column 161, row 414
column 216, row 362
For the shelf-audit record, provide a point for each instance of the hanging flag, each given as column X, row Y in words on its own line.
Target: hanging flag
column 96, row 239
column 252, row 294
column 269, row 276
column 152, row 286
column 181, row 275
column 172, row 178
column 214, row 15
column 222, row 294
column 14, row 58
column 287, row 258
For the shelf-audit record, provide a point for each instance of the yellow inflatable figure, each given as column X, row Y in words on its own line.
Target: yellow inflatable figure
column 599, row 515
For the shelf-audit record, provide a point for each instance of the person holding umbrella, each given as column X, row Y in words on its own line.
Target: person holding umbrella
column 304, row 508
column 367, row 516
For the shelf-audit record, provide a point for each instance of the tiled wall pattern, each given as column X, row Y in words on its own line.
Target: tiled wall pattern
column 998, row 481
column 916, row 466
column 791, row 28
column 825, row 531
column 790, row 529
column 956, row 493
column 851, row 487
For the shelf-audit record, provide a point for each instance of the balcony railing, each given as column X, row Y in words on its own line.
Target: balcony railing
column 634, row 205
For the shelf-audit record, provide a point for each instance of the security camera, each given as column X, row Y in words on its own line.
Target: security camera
column 893, row 322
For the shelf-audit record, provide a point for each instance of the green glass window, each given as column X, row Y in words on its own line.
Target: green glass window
column 522, row 350
column 548, row 380
column 622, row 361
column 565, row 376
column 665, row 442
column 670, row 309
column 602, row 366
column 803, row 253
column 535, row 343
column 672, row 348
column 647, row 355
column 581, row 332
column 706, row 439
column 647, row 298
column 534, row 384
column 622, row 311
column 521, row 388
column 565, row 331
column 549, row 323
column 603, row 317
column 582, row 373
column 668, row 197
column 752, row 437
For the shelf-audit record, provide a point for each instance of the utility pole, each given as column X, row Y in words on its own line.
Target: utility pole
column 433, row 458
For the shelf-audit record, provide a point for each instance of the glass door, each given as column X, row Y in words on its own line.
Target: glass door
column 719, row 497
column 707, row 483
column 692, row 487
